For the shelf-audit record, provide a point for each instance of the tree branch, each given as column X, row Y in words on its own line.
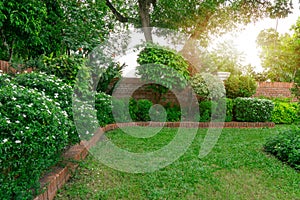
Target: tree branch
column 118, row 15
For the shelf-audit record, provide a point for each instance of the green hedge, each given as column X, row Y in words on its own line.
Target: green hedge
column 213, row 110
column 252, row 109
column 285, row 113
column 286, row 147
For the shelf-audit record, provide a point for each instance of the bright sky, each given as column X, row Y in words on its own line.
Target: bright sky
column 244, row 40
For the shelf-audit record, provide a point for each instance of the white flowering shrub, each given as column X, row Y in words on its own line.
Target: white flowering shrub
column 33, row 133
column 207, row 86
column 4, row 79
column 52, row 86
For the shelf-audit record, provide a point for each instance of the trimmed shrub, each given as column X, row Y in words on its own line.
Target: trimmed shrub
column 207, row 86
column 173, row 113
column 240, row 86
column 286, row 147
column 229, row 110
column 103, row 105
column 285, row 113
column 141, row 112
column 252, row 109
column 206, row 108
column 33, row 134
column 214, row 110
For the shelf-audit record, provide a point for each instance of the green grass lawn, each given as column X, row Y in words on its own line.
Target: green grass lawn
column 237, row 168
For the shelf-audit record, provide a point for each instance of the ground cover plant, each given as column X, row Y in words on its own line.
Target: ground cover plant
column 237, row 168
column 286, row 146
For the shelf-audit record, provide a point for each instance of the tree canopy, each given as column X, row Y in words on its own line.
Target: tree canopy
column 280, row 53
column 30, row 28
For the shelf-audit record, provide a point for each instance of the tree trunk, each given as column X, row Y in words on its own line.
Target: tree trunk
column 144, row 9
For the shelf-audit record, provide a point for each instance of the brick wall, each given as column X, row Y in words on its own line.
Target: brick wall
column 6, row 68
column 274, row 89
column 131, row 85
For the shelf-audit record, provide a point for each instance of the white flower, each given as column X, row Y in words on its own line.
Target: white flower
column 27, row 127
column 14, row 98
column 24, row 115
column 4, row 141
column 8, row 121
column 17, row 121
column 18, row 141
column 56, row 95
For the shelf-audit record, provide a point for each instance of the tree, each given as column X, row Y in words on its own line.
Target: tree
column 223, row 57
column 280, row 53
column 199, row 19
column 30, row 28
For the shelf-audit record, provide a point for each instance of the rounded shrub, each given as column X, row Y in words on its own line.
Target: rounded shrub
column 252, row 109
column 33, row 134
column 153, row 54
column 240, row 86
column 207, row 86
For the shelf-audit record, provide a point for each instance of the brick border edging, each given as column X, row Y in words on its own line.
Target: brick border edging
column 55, row 179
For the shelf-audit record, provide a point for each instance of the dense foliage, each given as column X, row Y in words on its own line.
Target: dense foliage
column 286, row 147
column 253, row 110
column 207, row 86
column 285, row 113
column 240, row 86
column 216, row 110
column 165, row 68
column 280, row 57
column 33, row 28
column 33, row 133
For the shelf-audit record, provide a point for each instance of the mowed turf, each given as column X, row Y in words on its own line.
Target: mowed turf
column 236, row 168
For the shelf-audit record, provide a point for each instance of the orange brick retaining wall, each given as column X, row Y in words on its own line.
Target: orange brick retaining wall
column 55, row 179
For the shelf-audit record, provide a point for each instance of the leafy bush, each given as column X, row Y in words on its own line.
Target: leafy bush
column 141, row 111
column 64, row 67
column 33, row 134
column 207, row 86
column 296, row 88
column 173, row 113
column 252, row 109
column 214, row 110
column 286, row 147
column 285, row 113
column 52, row 86
column 240, row 86
column 164, row 67
column 4, row 79
column 229, row 110
column 103, row 105
column 153, row 54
